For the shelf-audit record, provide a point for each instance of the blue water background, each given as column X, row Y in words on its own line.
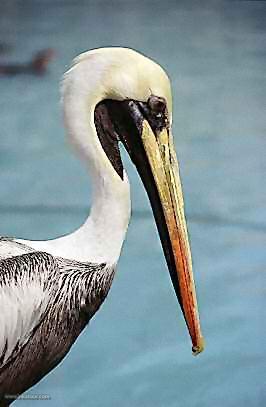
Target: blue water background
column 136, row 351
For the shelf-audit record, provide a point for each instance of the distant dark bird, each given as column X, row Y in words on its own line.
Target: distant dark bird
column 49, row 290
column 37, row 66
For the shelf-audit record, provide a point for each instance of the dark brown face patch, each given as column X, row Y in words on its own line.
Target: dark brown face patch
column 108, row 136
column 122, row 120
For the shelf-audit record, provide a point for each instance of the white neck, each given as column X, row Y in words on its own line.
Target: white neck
column 101, row 237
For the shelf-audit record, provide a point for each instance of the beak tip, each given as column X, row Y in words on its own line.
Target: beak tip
column 197, row 349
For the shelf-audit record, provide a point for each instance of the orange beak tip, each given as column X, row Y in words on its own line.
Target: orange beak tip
column 197, row 349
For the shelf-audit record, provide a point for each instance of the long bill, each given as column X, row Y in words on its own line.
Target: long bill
column 152, row 152
column 164, row 167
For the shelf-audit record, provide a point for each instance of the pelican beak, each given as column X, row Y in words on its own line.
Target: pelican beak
column 155, row 158
column 151, row 148
column 171, row 223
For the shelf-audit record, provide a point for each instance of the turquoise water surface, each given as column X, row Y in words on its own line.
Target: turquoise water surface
column 136, row 351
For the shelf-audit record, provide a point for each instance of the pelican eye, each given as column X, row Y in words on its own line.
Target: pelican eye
column 155, row 111
column 157, row 105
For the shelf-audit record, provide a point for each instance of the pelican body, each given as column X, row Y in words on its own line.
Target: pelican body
column 49, row 290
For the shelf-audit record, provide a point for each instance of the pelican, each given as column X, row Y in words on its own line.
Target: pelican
column 49, row 290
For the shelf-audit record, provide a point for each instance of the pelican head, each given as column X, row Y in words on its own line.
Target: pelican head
column 124, row 97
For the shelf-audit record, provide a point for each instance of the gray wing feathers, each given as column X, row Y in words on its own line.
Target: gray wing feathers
column 25, row 293
column 37, row 287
